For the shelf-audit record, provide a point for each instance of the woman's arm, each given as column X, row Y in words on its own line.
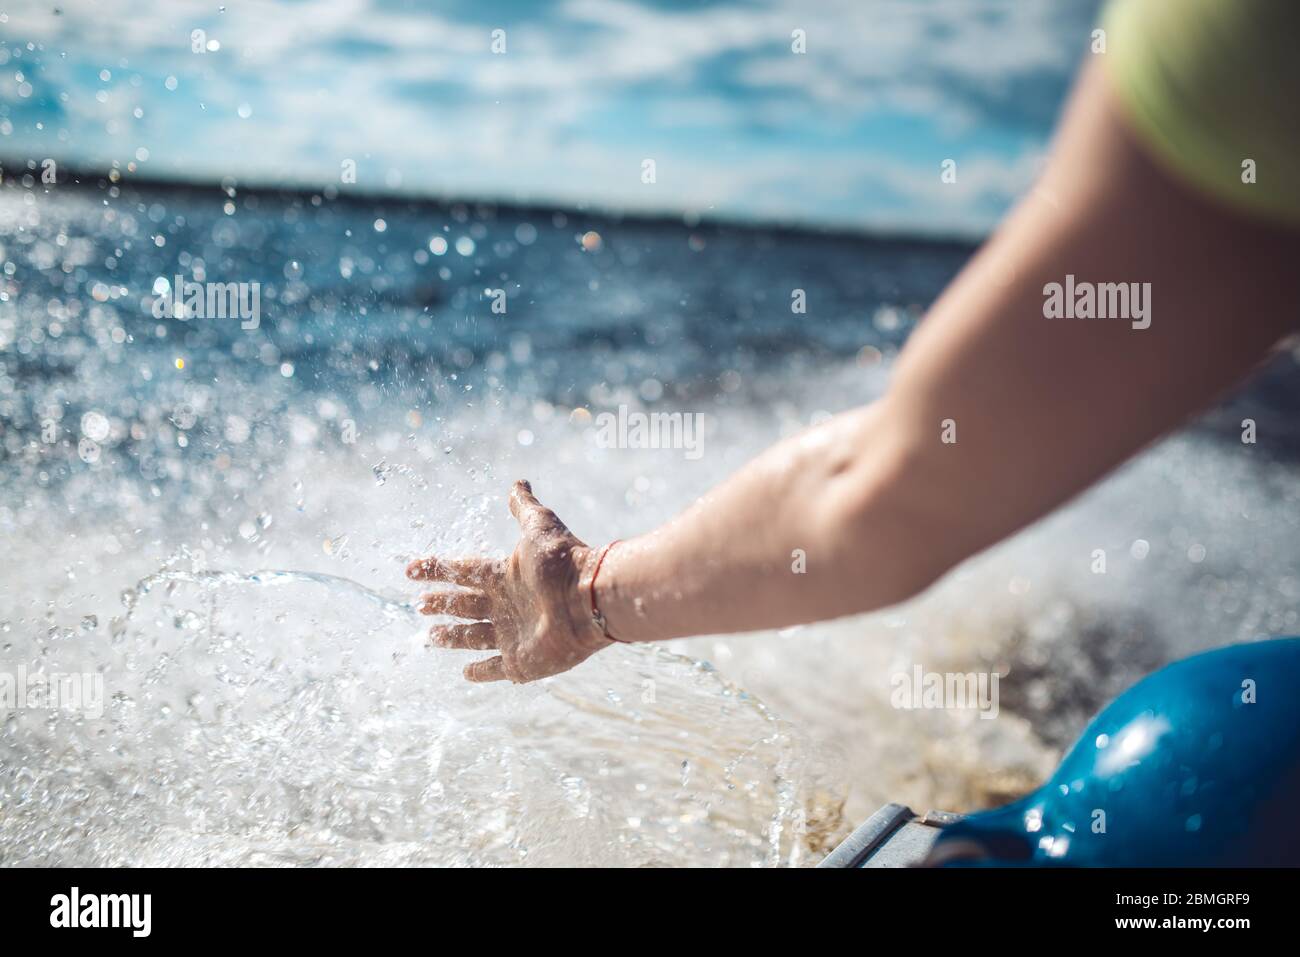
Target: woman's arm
column 875, row 499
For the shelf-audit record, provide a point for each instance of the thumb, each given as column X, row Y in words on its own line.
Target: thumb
column 529, row 512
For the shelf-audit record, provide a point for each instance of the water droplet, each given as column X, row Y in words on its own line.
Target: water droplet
column 94, row 426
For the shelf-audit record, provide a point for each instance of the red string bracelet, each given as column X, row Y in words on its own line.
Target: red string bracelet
column 596, row 615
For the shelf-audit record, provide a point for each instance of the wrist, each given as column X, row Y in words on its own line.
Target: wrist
column 597, row 594
column 585, row 626
column 623, row 599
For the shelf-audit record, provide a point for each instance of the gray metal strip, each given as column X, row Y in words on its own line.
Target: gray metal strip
column 859, row 845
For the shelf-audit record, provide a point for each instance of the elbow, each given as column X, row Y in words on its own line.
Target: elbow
column 889, row 517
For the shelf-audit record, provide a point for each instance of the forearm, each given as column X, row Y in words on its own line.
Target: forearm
column 805, row 531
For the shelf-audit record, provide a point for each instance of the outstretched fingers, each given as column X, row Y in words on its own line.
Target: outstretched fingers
column 455, row 571
column 457, row 604
column 476, row 636
column 489, row 669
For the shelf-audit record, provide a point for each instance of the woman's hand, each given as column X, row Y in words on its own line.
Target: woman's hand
column 533, row 608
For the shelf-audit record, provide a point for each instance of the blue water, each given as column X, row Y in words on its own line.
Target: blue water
column 357, row 303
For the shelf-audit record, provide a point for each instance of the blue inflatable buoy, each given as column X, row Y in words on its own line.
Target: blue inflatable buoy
column 1197, row 765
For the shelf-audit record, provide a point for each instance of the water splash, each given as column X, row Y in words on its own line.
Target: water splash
column 290, row 717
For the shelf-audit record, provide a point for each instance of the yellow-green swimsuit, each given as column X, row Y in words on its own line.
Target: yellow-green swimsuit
column 1212, row 87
